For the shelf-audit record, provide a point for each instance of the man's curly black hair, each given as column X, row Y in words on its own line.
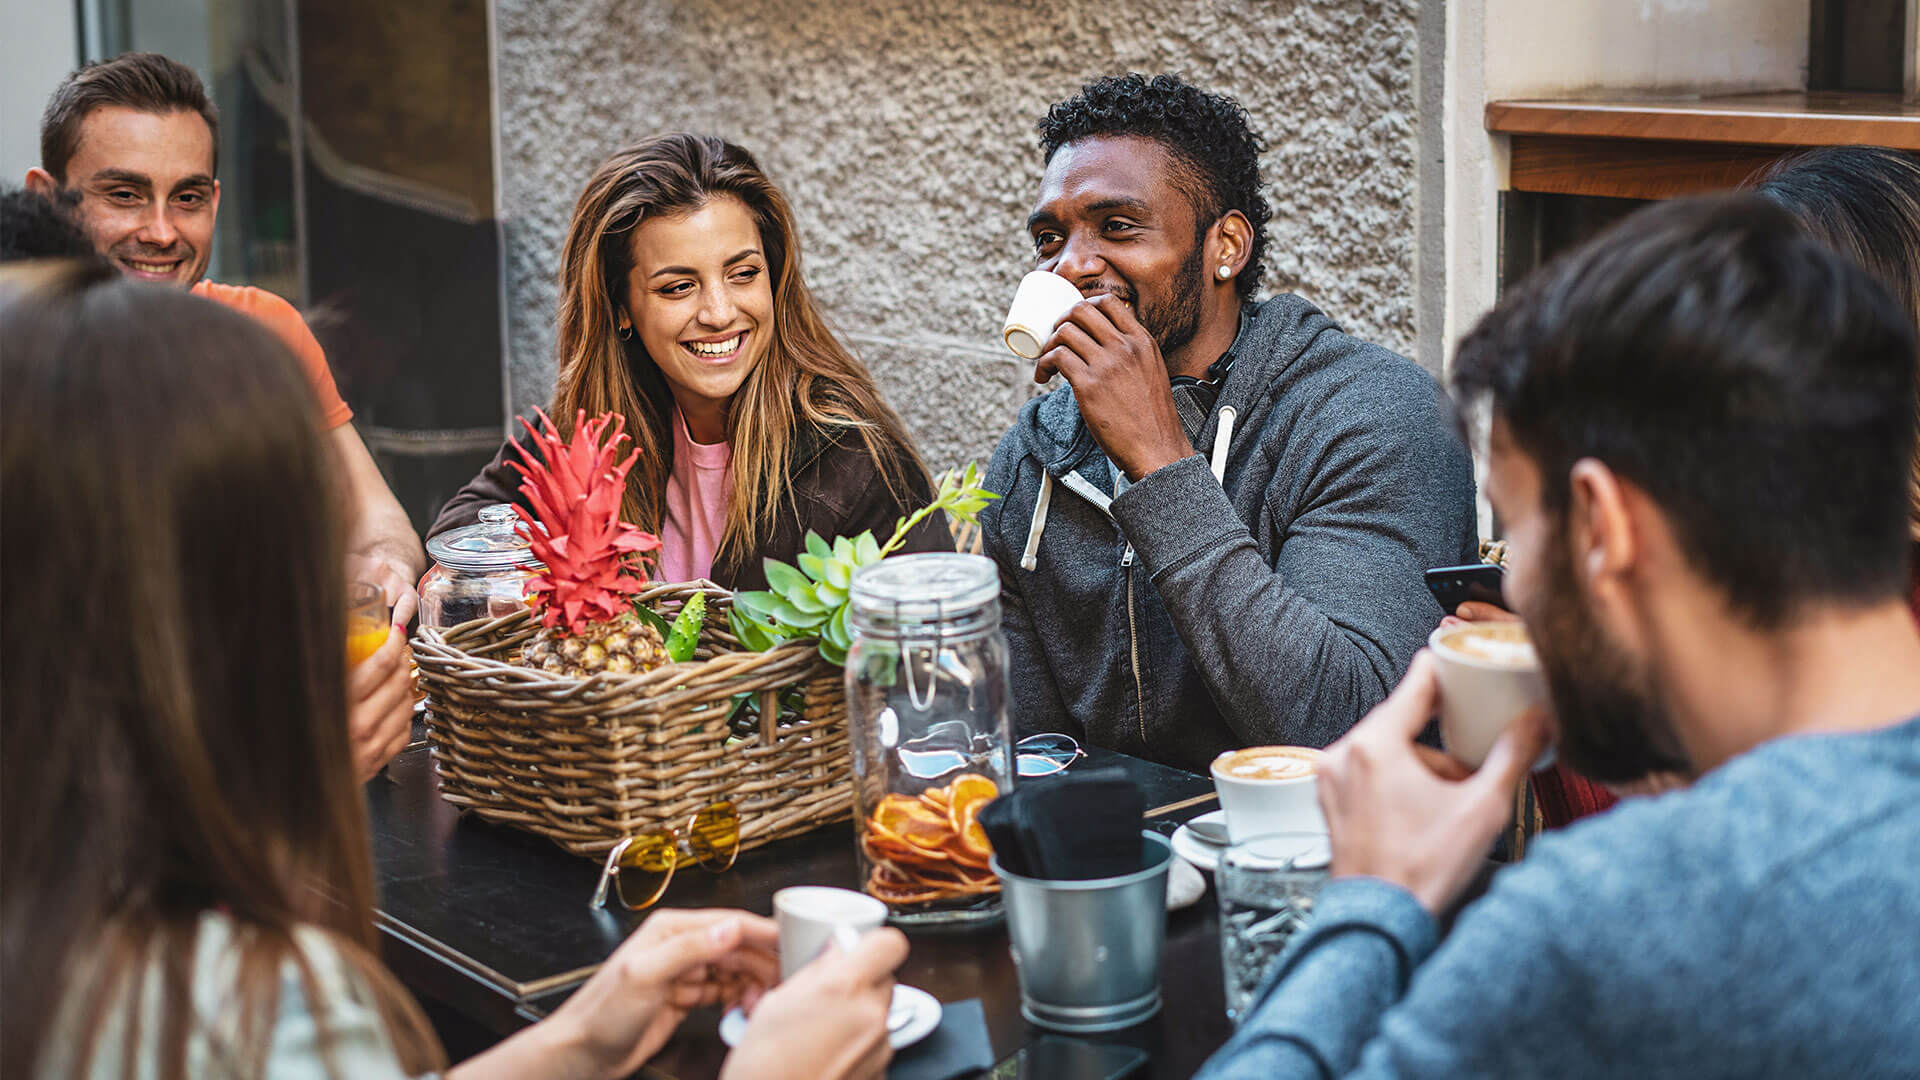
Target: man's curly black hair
column 1209, row 133
column 34, row 227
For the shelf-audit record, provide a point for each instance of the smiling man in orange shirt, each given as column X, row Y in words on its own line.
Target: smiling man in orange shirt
column 133, row 139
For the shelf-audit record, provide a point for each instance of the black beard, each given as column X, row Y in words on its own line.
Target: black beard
column 1614, row 726
column 1174, row 323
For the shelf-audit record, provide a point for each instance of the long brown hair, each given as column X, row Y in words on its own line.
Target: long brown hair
column 174, row 731
column 807, row 377
column 1863, row 202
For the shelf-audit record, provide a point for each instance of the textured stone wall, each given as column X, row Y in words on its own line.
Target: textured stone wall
column 903, row 133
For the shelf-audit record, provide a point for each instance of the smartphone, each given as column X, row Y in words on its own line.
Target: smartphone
column 1455, row 585
column 1055, row 1058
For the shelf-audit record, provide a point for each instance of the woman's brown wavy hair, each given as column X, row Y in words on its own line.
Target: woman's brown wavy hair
column 174, row 733
column 807, row 380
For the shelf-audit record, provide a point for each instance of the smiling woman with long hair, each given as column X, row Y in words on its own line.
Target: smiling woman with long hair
column 186, row 887
column 683, row 308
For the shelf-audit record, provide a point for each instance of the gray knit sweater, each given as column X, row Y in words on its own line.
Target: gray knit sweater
column 1186, row 617
column 1765, row 923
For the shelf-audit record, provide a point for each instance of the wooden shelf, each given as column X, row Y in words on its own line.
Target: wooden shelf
column 1662, row 148
column 1749, row 119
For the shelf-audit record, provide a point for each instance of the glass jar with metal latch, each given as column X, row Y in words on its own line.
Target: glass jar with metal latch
column 927, row 716
column 480, row 571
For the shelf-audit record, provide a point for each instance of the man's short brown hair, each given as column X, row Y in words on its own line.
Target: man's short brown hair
column 147, row 82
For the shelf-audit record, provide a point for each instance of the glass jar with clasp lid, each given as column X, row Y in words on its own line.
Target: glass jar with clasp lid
column 927, row 716
column 480, row 570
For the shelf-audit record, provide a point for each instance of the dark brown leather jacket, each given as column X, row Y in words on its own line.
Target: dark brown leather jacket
column 837, row 491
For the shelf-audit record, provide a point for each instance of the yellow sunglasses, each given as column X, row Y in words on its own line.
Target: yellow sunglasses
column 640, row 866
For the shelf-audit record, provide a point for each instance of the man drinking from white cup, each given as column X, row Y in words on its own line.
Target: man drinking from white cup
column 1214, row 536
column 1700, row 432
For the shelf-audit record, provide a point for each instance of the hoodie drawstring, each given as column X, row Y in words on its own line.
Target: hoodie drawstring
column 1221, row 438
column 1029, row 558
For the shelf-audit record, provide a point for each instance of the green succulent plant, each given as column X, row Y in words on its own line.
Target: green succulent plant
column 810, row 600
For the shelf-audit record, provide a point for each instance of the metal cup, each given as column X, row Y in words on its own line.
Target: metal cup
column 1088, row 952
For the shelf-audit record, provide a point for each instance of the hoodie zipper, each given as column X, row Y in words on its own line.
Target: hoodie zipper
column 1133, row 649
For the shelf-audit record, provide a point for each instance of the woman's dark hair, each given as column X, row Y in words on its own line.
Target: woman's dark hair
column 1208, row 134
column 1755, row 384
column 1863, row 202
column 807, row 380
column 174, row 734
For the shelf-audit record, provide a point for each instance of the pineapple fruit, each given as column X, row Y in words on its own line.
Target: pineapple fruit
column 595, row 562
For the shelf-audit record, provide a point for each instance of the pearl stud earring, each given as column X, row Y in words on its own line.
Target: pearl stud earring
column 1226, row 272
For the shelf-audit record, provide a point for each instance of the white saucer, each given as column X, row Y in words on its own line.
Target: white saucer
column 913, row 1016
column 1195, row 850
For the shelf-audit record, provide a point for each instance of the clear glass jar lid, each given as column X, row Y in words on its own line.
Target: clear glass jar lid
column 927, row 589
column 492, row 543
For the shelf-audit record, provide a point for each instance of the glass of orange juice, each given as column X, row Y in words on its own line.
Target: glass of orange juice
column 369, row 621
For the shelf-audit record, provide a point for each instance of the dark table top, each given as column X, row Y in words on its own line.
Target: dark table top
column 493, row 923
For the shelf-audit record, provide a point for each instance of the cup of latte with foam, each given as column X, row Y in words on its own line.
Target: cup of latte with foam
column 1269, row 789
column 1489, row 676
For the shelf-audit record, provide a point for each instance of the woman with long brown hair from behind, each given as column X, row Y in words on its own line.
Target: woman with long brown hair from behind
column 683, row 308
column 186, row 887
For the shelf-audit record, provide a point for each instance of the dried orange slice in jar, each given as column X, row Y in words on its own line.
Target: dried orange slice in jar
column 913, row 822
column 970, row 844
column 970, row 788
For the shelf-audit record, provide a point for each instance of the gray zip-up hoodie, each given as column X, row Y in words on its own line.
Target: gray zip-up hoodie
column 1267, row 592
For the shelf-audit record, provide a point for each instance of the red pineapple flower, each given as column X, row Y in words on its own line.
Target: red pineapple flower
column 595, row 561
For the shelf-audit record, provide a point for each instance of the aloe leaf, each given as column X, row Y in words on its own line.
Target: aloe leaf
column 829, row 595
column 784, row 579
column 813, row 565
column 807, row 601
column 866, row 549
column 818, row 547
column 685, row 635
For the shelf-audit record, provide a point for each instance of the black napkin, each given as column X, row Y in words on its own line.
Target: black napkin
column 1073, row 827
column 958, row 1047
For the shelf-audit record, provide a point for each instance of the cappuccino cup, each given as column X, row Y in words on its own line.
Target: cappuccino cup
column 1489, row 676
column 811, row 916
column 1269, row 789
column 1039, row 304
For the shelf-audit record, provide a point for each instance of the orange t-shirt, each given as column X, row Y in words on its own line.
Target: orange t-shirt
column 280, row 317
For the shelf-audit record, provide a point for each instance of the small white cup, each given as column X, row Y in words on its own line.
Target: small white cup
column 1480, row 695
column 1256, row 806
column 810, row 916
column 1042, row 300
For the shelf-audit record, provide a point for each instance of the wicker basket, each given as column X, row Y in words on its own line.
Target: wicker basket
column 586, row 762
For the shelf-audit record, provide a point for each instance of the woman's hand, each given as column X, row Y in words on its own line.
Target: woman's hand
column 380, row 705
column 827, row 1022
column 676, row 962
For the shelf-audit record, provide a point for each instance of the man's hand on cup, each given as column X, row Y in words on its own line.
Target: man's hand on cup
column 1120, row 382
column 676, row 962
column 1409, row 814
column 826, row 1022
column 380, row 705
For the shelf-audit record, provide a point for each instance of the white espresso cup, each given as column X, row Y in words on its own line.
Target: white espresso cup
column 1042, row 300
column 1269, row 789
column 1489, row 676
column 811, row 916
